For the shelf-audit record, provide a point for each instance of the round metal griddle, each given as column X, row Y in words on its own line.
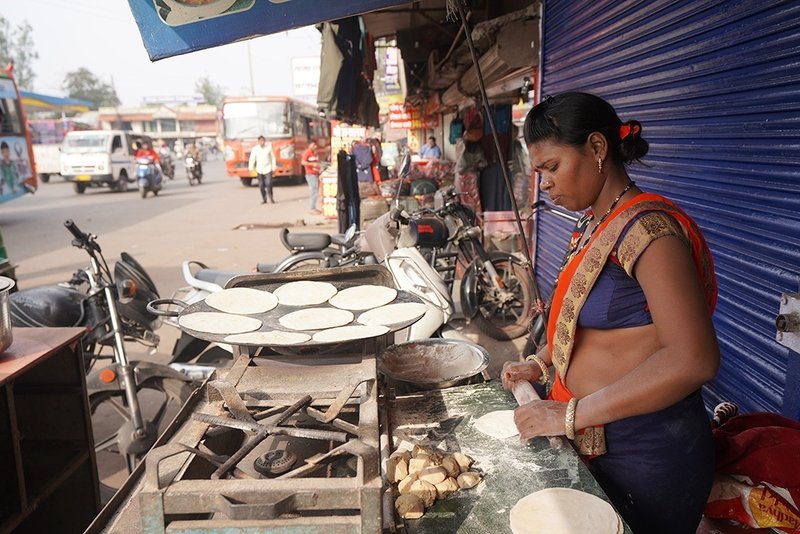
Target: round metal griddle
column 433, row 363
column 270, row 320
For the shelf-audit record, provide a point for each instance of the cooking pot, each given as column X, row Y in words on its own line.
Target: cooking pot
column 6, row 285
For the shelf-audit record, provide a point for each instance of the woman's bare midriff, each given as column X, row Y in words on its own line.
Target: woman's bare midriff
column 601, row 357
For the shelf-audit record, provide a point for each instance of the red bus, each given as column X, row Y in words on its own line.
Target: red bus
column 288, row 124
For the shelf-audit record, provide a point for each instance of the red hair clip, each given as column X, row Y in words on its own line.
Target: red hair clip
column 627, row 129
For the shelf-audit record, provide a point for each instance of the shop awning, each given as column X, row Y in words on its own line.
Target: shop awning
column 39, row 102
column 173, row 27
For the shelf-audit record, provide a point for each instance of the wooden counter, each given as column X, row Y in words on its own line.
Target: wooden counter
column 511, row 470
column 48, row 476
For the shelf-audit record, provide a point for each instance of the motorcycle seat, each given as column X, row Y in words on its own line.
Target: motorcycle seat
column 305, row 241
column 214, row 276
column 339, row 240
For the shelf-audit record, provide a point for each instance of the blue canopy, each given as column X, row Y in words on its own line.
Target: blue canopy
column 54, row 103
column 173, row 27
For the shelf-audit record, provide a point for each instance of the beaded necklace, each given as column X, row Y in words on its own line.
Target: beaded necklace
column 579, row 244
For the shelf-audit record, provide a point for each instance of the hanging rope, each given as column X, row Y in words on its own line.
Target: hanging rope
column 457, row 7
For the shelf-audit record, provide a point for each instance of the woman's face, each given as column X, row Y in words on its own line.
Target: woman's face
column 568, row 174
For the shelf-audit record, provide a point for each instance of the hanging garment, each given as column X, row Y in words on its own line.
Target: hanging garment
column 494, row 195
column 362, row 152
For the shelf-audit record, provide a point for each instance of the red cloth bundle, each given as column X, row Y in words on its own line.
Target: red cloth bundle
column 757, row 466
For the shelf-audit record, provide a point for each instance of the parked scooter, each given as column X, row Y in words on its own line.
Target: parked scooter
column 148, row 175
column 194, row 173
column 112, row 310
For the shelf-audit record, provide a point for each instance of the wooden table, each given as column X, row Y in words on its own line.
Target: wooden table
column 48, row 476
column 511, row 470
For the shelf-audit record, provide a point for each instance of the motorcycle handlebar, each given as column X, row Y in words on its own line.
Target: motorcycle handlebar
column 74, row 230
column 82, row 240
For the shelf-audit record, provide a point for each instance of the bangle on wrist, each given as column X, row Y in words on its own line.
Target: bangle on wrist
column 569, row 418
column 545, row 378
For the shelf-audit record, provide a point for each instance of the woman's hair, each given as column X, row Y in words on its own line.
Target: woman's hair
column 569, row 118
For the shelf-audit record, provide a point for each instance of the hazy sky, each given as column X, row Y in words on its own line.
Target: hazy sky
column 102, row 36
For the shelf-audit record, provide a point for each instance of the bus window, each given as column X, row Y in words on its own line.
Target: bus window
column 11, row 120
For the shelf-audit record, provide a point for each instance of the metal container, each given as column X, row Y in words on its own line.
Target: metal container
column 433, row 363
column 6, row 285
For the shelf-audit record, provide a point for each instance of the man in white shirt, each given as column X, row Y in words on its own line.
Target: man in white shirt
column 262, row 161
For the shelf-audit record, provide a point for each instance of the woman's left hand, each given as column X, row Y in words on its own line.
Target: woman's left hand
column 540, row 418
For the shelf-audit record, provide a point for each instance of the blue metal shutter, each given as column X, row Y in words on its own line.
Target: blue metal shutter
column 716, row 86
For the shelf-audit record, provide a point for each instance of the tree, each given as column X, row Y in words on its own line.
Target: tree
column 212, row 93
column 83, row 84
column 16, row 44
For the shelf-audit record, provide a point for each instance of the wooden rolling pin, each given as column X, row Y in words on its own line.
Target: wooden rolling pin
column 524, row 393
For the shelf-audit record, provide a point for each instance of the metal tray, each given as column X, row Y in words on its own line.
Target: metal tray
column 340, row 277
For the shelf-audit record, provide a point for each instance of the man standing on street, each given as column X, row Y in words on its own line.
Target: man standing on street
column 262, row 161
column 431, row 150
column 311, row 165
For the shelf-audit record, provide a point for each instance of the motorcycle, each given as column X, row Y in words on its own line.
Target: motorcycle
column 167, row 164
column 148, row 175
column 495, row 290
column 113, row 310
column 193, row 171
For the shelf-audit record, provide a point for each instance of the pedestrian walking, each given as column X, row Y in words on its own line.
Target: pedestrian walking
column 262, row 161
column 310, row 163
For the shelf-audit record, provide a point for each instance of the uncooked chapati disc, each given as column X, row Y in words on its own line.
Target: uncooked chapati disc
column 363, row 297
column 242, row 300
column 499, row 424
column 393, row 313
column 348, row 333
column 305, row 293
column 316, row 319
column 564, row 510
column 219, row 323
column 275, row 337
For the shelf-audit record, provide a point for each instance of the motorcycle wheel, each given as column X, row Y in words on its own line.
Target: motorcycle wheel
column 509, row 320
column 143, row 192
column 159, row 398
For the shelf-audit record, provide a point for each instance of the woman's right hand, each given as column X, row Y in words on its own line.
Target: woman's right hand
column 516, row 371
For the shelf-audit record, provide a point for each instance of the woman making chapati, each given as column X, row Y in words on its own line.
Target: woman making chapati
column 630, row 331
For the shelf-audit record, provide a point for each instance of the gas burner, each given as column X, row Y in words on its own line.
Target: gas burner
column 275, row 462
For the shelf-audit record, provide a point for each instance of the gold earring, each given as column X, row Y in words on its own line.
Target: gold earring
column 599, row 165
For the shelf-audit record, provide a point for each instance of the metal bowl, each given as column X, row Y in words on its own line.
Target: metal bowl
column 433, row 363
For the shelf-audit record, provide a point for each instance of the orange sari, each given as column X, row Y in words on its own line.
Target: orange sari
column 660, row 217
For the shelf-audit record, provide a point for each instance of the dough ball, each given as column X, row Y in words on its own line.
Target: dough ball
column 451, row 466
column 396, row 468
column 415, row 465
column 426, row 452
column 445, row 488
column 409, row 506
column 434, row 475
column 464, row 462
column 424, row 490
column 404, row 486
column 468, row 480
